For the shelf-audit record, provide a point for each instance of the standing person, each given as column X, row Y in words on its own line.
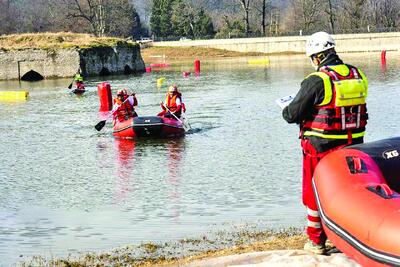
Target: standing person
column 173, row 104
column 124, row 106
column 330, row 108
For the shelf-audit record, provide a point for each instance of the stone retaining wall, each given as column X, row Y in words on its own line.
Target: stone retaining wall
column 370, row 42
column 65, row 62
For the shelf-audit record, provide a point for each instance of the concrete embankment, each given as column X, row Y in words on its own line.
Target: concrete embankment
column 368, row 42
column 28, row 64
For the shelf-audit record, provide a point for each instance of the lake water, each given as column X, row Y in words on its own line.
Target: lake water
column 65, row 188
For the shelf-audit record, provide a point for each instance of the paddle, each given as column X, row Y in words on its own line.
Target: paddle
column 73, row 79
column 185, row 127
column 101, row 124
column 70, row 85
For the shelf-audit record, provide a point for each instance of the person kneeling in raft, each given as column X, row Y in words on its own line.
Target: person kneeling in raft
column 78, row 79
column 173, row 106
column 124, row 106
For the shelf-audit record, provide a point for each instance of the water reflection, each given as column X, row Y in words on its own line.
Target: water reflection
column 125, row 151
column 175, row 149
column 126, row 166
column 383, row 69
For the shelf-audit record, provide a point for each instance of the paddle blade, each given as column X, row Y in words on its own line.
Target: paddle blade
column 100, row 125
column 186, row 127
column 70, row 86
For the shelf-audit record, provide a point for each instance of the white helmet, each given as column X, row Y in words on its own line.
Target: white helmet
column 172, row 88
column 318, row 42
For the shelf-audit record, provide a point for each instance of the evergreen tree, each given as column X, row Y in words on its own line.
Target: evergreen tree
column 203, row 26
column 182, row 16
column 155, row 19
column 125, row 12
column 161, row 16
column 232, row 29
column 165, row 18
column 137, row 29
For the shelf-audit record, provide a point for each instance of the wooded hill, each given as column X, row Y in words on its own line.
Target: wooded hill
column 198, row 19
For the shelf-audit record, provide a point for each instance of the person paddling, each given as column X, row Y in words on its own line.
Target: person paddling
column 78, row 79
column 124, row 106
column 173, row 106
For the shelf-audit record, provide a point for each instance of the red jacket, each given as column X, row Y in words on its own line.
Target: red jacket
column 125, row 109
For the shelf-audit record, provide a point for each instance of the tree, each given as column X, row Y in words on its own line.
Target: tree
column 111, row 17
column 93, row 11
column 203, row 25
column 245, row 4
column 137, row 29
column 121, row 19
column 165, row 18
column 353, row 14
column 182, row 19
column 306, row 15
column 8, row 17
column 155, row 19
column 390, row 10
column 160, row 19
column 38, row 16
column 331, row 14
column 232, row 29
column 262, row 7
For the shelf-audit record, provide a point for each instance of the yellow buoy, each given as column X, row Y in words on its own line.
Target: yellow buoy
column 262, row 61
column 160, row 82
column 13, row 95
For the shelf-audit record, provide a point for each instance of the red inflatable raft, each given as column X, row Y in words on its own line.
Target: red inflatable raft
column 357, row 191
column 148, row 126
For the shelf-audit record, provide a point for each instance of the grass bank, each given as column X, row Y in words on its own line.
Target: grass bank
column 186, row 250
column 152, row 52
column 60, row 40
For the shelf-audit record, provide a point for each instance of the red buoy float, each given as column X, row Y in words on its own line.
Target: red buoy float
column 197, row 66
column 160, row 65
column 383, row 55
column 105, row 97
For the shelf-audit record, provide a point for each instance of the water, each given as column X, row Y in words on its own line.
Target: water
column 65, row 188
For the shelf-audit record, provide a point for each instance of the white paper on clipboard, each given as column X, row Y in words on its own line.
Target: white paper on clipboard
column 284, row 101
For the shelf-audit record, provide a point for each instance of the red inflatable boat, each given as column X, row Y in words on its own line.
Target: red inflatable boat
column 357, row 191
column 148, row 126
